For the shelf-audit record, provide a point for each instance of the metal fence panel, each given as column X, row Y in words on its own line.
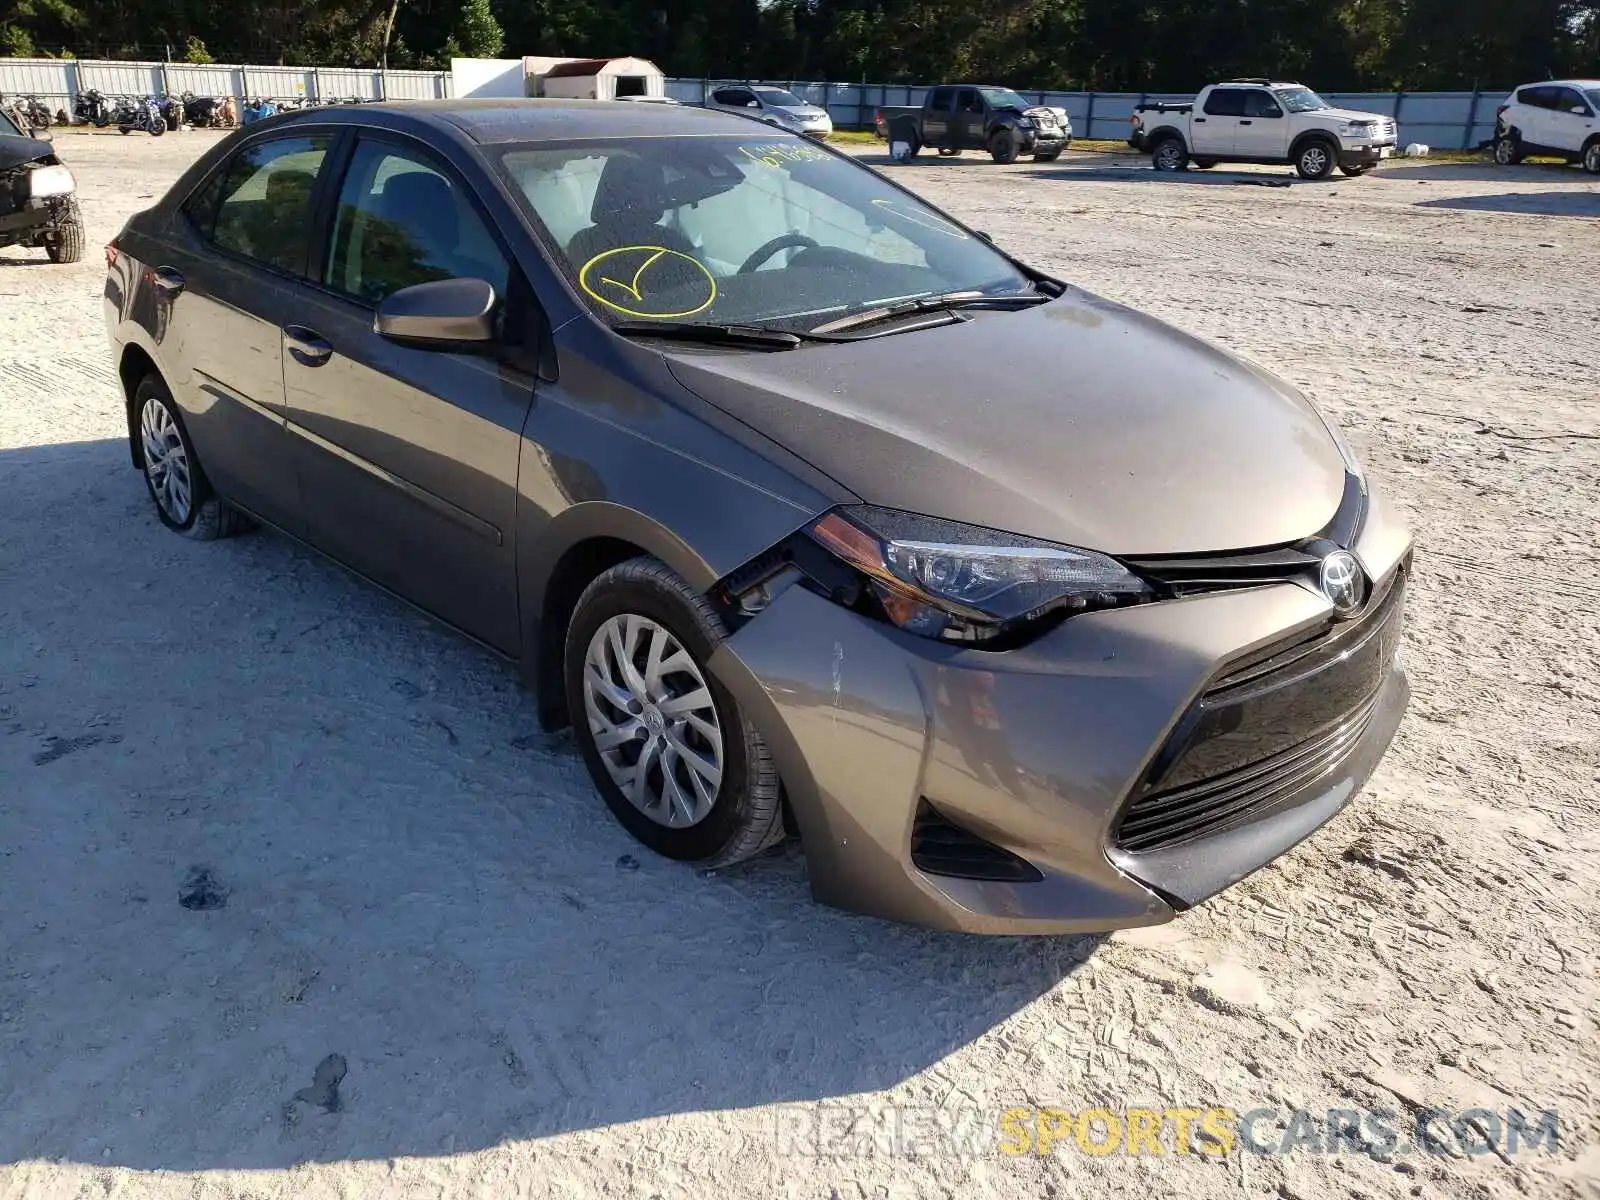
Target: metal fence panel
column 120, row 78
column 47, row 78
column 210, row 79
column 414, row 85
column 278, row 83
column 339, row 83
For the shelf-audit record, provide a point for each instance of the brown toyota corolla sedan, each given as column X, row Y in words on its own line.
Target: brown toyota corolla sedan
column 806, row 507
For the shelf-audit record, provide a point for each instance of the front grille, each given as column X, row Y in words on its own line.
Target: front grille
column 1268, row 725
column 940, row 847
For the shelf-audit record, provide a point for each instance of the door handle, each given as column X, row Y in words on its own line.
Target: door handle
column 168, row 280
column 306, row 346
column 1247, row 122
column 1199, row 120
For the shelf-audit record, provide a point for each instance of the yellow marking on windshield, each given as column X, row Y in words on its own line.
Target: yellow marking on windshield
column 782, row 154
column 638, row 286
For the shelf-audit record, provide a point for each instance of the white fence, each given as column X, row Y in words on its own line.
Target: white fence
column 1448, row 120
column 57, row 81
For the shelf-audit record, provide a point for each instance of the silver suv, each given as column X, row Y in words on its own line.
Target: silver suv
column 774, row 106
column 1560, row 118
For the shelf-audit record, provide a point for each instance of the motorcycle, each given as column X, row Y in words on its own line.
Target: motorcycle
column 34, row 112
column 142, row 114
column 92, row 108
column 171, row 109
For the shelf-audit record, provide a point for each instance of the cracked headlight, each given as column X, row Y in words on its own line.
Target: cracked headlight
column 48, row 181
column 962, row 583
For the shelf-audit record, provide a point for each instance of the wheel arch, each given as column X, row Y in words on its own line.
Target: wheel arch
column 580, row 545
column 135, row 364
column 1313, row 135
column 1155, row 136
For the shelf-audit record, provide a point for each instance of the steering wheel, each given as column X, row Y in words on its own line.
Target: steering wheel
column 767, row 249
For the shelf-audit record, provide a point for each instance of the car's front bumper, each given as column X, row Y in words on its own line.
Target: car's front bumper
column 1036, row 751
column 1365, row 155
column 36, row 216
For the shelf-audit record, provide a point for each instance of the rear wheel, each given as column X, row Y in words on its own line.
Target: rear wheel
column 1003, row 146
column 1508, row 150
column 1169, row 155
column 183, row 496
column 1316, row 160
column 666, row 744
column 1591, row 157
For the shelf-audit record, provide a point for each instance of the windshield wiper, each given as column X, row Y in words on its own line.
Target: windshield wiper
column 948, row 302
column 754, row 336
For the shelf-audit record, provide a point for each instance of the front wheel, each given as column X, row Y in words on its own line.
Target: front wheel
column 65, row 245
column 1003, row 147
column 1591, row 157
column 1316, row 160
column 183, row 496
column 667, row 746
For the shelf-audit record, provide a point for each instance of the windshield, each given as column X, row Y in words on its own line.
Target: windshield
column 1004, row 98
column 779, row 98
column 1299, row 99
column 776, row 232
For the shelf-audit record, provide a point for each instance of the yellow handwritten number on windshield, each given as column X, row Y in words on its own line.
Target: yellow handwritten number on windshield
column 637, row 281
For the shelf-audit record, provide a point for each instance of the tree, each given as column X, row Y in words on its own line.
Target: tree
column 194, row 51
column 477, row 32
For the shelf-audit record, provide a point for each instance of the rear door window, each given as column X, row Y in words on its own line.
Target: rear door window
column 1537, row 97
column 1225, row 102
column 738, row 97
column 259, row 205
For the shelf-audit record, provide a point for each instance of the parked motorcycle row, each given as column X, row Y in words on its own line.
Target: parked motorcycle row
column 156, row 115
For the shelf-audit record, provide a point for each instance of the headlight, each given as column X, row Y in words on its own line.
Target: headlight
column 50, row 181
column 1356, row 129
column 942, row 579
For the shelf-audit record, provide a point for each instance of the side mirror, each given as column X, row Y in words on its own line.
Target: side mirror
column 1580, row 110
column 444, row 314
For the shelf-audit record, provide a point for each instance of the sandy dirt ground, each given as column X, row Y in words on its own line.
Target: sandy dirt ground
column 525, row 1004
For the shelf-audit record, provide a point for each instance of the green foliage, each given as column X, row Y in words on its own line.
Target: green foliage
column 1127, row 45
column 194, row 51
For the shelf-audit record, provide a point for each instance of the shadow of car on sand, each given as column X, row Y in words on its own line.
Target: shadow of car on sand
column 380, row 858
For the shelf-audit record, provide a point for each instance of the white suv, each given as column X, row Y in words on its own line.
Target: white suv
column 1560, row 118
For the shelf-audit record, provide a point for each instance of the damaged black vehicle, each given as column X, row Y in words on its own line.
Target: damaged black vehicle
column 38, row 196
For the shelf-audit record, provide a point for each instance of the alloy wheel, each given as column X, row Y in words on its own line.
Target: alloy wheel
column 1168, row 156
column 166, row 461
column 1314, row 160
column 1591, row 159
column 653, row 719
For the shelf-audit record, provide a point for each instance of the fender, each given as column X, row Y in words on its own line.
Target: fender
column 1313, row 135
column 1153, row 136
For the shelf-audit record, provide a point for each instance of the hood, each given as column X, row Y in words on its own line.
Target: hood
column 1078, row 421
column 804, row 112
column 14, row 150
column 1347, row 114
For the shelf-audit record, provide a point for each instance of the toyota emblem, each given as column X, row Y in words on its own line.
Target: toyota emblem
column 1341, row 582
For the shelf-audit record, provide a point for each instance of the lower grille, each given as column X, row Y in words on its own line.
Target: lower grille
column 942, row 848
column 1169, row 818
column 1269, row 726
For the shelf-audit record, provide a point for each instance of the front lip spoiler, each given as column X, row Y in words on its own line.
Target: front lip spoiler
column 1187, row 874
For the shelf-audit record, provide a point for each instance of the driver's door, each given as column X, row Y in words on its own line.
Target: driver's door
column 968, row 120
column 408, row 457
column 1263, row 129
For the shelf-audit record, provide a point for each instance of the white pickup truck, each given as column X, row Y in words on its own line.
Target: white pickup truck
column 1262, row 121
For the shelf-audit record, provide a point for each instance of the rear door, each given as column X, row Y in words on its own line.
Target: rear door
column 1214, row 128
column 228, row 274
column 968, row 120
column 1536, row 125
column 936, row 117
column 1571, row 121
column 1263, row 128
column 408, row 457
column 737, row 98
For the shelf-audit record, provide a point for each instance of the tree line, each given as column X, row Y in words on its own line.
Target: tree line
column 1110, row 45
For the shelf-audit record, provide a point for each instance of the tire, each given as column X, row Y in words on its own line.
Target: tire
column 743, row 814
column 206, row 516
column 1051, row 156
column 65, row 245
column 1508, row 150
column 1169, row 154
column 1358, row 171
column 1591, row 157
column 157, row 128
column 1316, row 159
column 1003, row 147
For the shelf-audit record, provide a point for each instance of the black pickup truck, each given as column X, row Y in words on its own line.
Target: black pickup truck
column 38, row 201
column 965, row 116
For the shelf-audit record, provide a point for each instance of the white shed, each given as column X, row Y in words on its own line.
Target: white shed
column 594, row 78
